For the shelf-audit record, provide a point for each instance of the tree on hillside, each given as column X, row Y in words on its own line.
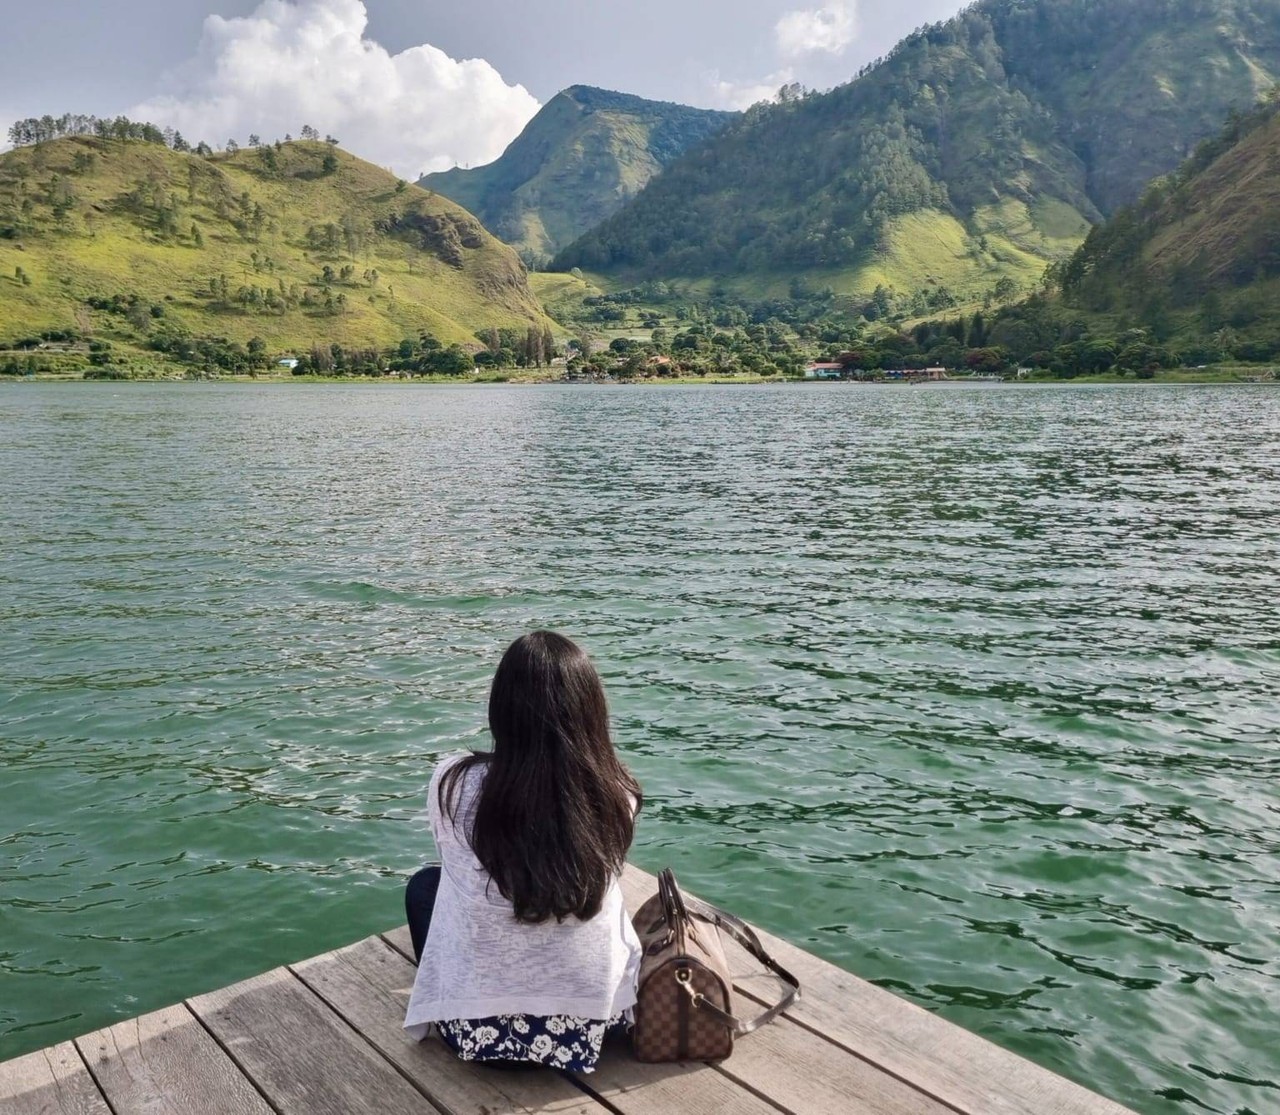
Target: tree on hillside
column 352, row 232
column 35, row 130
column 985, row 361
column 321, row 358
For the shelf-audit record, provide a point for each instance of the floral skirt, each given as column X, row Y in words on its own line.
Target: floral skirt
column 558, row 1041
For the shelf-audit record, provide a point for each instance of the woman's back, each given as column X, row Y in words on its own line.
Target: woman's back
column 479, row 960
column 528, row 924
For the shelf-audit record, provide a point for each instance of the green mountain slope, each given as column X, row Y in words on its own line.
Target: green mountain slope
column 979, row 149
column 295, row 245
column 1209, row 231
column 1183, row 283
column 579, row 160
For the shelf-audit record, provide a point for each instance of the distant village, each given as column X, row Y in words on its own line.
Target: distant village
column 821, row 370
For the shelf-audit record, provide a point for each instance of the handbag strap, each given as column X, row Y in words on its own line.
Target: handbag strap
column 741, row 932
column 672, row 898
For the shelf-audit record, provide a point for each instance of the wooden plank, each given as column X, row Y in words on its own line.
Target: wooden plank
column 400, row 940
column 942, row 1060
column 300, row 1054
column 626, row 1085
column 167, row 1062
column 635, row 1089
column 51, row 1081
column 327, row 1038
column 369, row 984
column 810, row 1076
column 781, row 1067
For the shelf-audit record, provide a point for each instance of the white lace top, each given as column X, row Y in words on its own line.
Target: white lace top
column 479, row 961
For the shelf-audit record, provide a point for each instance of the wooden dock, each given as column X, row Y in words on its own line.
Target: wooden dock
column 325, row 1036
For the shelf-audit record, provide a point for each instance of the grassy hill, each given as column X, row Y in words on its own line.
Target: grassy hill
column 979, row 150
column 1184, row 283
column 577, row 162
column 293, row 245
column 1181, row 286
column 1198, row 257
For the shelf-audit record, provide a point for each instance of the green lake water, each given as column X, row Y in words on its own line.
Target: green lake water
column 974, row 692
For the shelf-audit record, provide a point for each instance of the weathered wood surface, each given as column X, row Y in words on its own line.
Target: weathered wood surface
column 368, row 984
column 960, row 1069
column 165, row 1063
column 324, row 1036
column 301, row 1054
column 635, row 1089
column 52, row 1081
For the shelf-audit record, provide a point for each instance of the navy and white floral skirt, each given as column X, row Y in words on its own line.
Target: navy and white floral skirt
column 558, row 1041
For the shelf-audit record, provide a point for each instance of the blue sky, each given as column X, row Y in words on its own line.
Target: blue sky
column 422, row 84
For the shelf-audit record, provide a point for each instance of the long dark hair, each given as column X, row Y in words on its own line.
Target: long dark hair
column 555, row 814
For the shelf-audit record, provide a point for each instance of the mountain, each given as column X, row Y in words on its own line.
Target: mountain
column 294, row 244
column 980, row 148
column 1207, row 235
column 577, row 162
column 1189, row 275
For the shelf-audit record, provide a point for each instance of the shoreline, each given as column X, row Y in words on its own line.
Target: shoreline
column 1203, row 379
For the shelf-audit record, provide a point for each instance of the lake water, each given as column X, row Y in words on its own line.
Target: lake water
column 974, row 692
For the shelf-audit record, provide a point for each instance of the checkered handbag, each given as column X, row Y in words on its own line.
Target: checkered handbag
column 684, row 1008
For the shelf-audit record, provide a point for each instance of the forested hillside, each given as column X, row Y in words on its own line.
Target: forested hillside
column 1208, row 229
column 1195, row 263
column 285, row 245
column 1187, row 275
column 577, row 162
column 979, row 149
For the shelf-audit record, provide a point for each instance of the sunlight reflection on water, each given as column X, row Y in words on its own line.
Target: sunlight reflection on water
column 976, row 693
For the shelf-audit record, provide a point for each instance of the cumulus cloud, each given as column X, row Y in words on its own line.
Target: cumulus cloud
column 826, row 30
column 296, row 62
column 744, row 94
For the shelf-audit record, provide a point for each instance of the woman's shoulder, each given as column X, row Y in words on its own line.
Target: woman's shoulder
column 448, row 761
column 458, row 793
column 475, row 761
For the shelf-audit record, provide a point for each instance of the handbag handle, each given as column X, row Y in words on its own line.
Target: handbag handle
column 675, row 901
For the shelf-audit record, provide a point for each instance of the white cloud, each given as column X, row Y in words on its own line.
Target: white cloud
column 744, row 94
column 296, row 62
column 829, row 29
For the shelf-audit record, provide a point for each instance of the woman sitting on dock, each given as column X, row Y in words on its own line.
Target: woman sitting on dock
column 526, row 953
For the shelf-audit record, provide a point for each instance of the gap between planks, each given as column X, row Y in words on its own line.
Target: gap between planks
column 845, row 1042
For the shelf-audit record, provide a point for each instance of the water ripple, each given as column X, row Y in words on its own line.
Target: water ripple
column 974, row 692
